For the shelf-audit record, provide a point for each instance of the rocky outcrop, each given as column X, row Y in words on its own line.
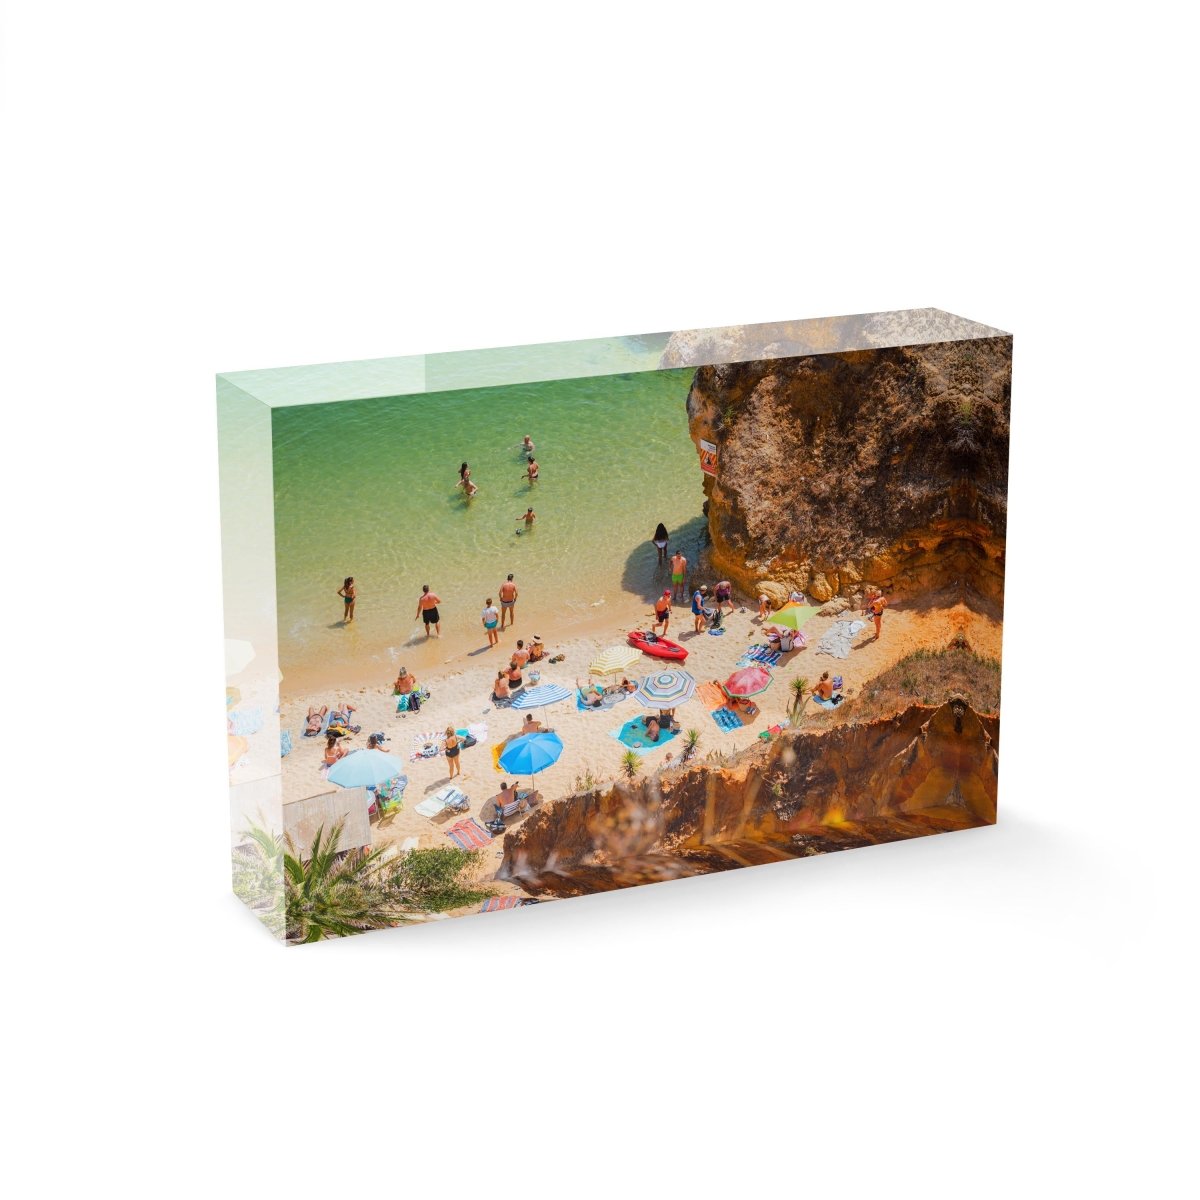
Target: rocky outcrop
column 886, row 466
column 925, row 770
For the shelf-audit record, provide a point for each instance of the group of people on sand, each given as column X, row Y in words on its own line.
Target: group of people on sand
column 512, row 678
column 532, row 470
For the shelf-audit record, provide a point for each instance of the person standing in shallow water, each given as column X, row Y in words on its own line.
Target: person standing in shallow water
column 491, row 618
column 660, row 539
column 427, row 610
column 349, row 594
column 508, row 603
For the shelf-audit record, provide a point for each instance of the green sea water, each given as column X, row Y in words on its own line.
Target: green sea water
column 368, row 488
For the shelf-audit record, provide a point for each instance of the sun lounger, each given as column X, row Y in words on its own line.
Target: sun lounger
column 448, row 797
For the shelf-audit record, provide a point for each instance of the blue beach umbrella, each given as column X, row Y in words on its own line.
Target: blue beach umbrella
column 365, row 768
column 666, row 689
column 538, row 697
column 530, row 754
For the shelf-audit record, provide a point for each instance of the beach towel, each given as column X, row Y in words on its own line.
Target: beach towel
column 715, row 632
column 496, row 903
column 834, row 703
column 764, row 656
column 837, row 640
column 285, row 743
column 497, row 750
column 426, row 745
column 468, row 834
column 711, row 695
column 611, row 700
column 632, row 735
column 727, row 720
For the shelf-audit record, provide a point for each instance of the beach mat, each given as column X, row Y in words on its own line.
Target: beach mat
column 837, row 640
column 285, row 743
column 711, row 695
column 762, row 655
column 497, row 903
column 632, row 735
column 727, row 720
column 610, row 701
column 468, row 834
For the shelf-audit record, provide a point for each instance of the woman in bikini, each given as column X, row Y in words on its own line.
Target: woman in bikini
column 464, row 481
column 333, row 751
column 500, row 687
column 532, row 473
column 315, row 720
column 660, row 539
column 453, row 750
column 348, row 593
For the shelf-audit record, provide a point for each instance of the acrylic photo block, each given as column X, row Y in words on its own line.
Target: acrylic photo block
column 509, row 626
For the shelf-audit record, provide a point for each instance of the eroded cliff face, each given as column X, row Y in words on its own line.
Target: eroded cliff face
column 889, row 466
column 925, row 770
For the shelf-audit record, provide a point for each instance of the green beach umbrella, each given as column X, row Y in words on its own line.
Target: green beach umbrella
column 792, row 616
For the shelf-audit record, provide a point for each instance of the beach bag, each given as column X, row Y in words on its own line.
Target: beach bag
column 414, row 702
column 467, row 741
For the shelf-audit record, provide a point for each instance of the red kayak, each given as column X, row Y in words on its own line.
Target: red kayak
column 660, row 647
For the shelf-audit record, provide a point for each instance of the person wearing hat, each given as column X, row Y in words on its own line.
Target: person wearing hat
column 698, row 598
column 662, row 612
column 537, row 651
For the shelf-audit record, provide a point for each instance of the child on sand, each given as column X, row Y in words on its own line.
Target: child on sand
column 491, row 619
column 349, row 594
column 764, row 607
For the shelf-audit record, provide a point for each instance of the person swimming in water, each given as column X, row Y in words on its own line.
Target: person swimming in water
column 660, row 539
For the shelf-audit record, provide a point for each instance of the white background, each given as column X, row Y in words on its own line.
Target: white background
column 194, row 188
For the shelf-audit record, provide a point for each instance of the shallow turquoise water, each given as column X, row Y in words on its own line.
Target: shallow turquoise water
column 367, row 488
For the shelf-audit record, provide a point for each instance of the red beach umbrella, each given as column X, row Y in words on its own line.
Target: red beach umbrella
column 749, row 681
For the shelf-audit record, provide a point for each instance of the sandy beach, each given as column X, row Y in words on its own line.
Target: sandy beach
column 461, row 697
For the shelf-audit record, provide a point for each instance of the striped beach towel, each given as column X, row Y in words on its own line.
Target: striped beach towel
column 496, row 903
column 764, row 655
column 468, row 834
column 422, row 743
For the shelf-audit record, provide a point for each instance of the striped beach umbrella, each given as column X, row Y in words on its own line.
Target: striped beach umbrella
column 749, row 681
column 614, row 659
column 538, row 697
column 666, row 689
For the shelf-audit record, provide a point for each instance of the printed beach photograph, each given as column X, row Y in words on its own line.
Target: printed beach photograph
column 710, row 600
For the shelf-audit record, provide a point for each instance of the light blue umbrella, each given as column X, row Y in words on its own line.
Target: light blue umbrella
column 365, row 768
column 538, row 697
column 530, row 754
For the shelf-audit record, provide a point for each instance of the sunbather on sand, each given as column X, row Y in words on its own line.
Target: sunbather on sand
column 532, row 725
column 824, row 688
column 404, row 683
column 536, row 650
column 653, row 729
column 315, row 719
column 334, row 750
column 591, row 695
column 500, row 687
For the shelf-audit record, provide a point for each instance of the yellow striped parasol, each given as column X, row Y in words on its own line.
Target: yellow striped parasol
column 614, row 659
